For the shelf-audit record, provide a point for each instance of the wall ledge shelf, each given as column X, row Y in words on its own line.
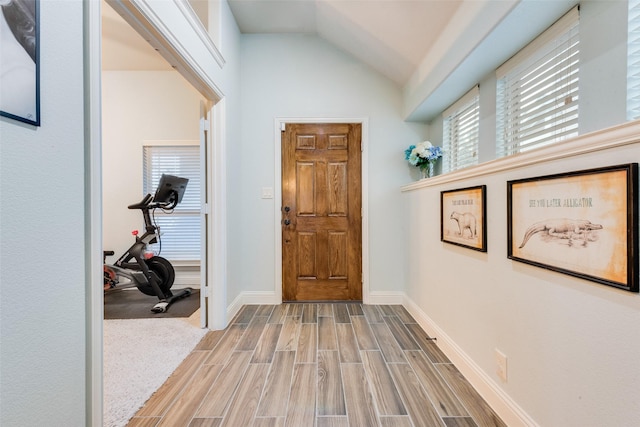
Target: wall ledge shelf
column 605, row 139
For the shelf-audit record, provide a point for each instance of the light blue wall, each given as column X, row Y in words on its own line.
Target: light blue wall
column 42, row 238
column 43, row 301
column 300, row 76
column 572, row 356
column 44, row 376
column 233, row 117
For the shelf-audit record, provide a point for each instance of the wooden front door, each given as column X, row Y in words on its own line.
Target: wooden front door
column 321, row 212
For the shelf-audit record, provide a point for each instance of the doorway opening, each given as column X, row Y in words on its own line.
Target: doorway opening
column 153, row 118
column 150, row 122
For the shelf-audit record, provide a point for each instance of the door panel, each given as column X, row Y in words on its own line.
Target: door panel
column 322, row 212
column 337, row 248
column 337, row 191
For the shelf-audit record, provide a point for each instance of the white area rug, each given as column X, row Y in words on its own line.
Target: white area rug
column 139, row 355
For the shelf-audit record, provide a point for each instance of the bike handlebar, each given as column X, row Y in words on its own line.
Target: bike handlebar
column 146, row 203
column 143, row 204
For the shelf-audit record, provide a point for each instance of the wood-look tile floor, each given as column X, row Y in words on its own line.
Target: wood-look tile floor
column 317, row 365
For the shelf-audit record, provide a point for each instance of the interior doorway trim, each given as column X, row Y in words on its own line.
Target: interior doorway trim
column 144, row 17
column 93, row 213
column 277, row 191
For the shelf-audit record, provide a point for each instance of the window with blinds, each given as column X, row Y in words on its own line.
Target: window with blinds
column 633, row 61
column 537, row 90
column 180, row 229
column 461, row 123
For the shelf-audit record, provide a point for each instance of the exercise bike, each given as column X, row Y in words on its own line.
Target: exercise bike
column 138, row 266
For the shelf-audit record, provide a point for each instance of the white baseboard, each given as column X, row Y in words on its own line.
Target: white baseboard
column 250, row 298
column 234, row 308
column 510, row 412
column 384, row 298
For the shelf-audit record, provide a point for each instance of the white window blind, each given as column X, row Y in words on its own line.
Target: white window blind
column 461, row 124
column 537, row 90
column 180, row 240
column 633, row 61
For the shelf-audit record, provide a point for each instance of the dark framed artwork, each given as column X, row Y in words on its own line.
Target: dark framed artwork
column 19, row 60
column 463, row 217
column 581, row 223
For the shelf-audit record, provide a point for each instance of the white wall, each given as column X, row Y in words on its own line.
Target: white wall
column 572, row 345
column 138, row 106
column 603, row 64
column 303, row 76
column 43, row 351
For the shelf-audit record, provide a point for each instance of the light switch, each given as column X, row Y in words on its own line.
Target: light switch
column 267, row 192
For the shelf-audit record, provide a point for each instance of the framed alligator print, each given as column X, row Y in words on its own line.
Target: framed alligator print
column 463, row 217
column 582, row 223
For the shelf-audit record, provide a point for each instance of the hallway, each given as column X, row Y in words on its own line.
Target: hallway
column 317, row 365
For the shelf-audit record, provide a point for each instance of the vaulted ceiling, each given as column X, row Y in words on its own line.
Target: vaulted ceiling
column 392, row 36
column 435, row 50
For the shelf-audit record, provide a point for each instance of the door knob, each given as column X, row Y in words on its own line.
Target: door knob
column 287, row 209
column 287, row 222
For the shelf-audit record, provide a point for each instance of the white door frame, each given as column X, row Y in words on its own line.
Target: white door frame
column 93, row 212
column 205, row 208
column 278, row 127
column 213, row 291
column 217, row 232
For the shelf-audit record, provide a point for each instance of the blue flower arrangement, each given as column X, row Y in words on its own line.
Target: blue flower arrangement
column 423, row 155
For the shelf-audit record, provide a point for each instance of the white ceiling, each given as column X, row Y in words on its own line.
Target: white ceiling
column 435, row 50
column 392, row 36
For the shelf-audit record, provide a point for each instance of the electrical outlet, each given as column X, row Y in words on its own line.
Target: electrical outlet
column 501, row 365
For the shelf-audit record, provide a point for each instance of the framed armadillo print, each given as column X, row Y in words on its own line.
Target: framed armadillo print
column 463, row 217
column 582, row 223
